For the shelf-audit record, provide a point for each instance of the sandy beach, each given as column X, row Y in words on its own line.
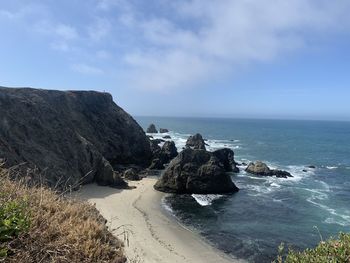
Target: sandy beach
column 153, row 236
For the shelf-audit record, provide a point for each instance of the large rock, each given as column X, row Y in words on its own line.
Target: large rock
column 132, row 175
column 226, row 157
column 195, row 171
column 195, row 142
column 71, row 137
column 261, row 169
column 152, row 129
column 163, row 155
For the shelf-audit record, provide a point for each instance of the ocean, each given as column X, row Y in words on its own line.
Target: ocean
column 299, row 212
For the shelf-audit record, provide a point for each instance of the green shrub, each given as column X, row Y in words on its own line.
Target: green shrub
column 14, row 219
column 331, row 251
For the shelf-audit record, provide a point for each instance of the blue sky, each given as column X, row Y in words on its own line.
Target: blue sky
column 224, row 58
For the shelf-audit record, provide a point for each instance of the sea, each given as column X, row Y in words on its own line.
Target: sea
column 299, row 212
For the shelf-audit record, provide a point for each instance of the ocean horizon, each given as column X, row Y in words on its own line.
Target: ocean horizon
column 300, row 211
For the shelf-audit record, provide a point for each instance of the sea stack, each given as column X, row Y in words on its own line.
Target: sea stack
column 152, row 129
column 196, row 172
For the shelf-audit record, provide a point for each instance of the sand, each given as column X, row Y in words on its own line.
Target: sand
column 150, row 233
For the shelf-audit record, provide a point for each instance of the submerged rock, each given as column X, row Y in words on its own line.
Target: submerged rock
column 71, row 137
column 162, row 130
column 166, row 137
column 195, row 142
column 198, row 172
column 260, row 168
column 152, row 129
column 311, row 166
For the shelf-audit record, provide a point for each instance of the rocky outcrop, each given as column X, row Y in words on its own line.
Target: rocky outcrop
column 195, row 171
column 163, row 155
column 195, row 142
column 71, row 137
column 162, row 130
column 226, row 157
column 131, row 174
column 152, row 129
column 261, row 169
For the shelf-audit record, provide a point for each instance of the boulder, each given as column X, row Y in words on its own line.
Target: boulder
column 71, row 137
column 195, row 142
column 163, row 155
column 131, row 174
column 226, row 157
column 261, row 169
column 152, row 129
column 166, row 137
column 311, row 166
column 162, row 130
column 195, row 172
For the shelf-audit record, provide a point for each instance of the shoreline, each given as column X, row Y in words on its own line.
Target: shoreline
column 150, row 234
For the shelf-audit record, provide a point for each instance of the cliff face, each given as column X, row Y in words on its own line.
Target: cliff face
column 69, row 136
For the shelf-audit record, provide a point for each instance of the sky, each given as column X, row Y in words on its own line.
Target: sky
column 286, row 59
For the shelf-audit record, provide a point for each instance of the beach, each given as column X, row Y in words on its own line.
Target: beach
column 150, row 234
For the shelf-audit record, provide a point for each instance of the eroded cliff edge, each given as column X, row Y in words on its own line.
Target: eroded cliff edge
column 71, row 137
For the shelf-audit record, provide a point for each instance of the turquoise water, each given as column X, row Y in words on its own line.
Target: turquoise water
column 267, row 211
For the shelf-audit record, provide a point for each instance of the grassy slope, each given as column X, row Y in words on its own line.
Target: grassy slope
column 39, row 225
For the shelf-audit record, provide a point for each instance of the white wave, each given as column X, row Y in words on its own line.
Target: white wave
column 331, row 220
column 275, row 185
column 205, row 200
column 166, row 206
column 331, row 167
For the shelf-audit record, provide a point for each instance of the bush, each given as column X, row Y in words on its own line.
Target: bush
column 40, row 225
column 331, row 251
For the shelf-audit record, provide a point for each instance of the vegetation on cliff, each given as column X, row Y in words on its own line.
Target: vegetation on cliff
column 40, row 225
column 332, row 250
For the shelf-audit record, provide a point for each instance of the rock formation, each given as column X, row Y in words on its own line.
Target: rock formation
column 131, row 174
column 71, row 137
column 261, row 169
column 196, row 171
column 226, row 157
column 152, row 129
column 162, row 130
column 163, row 155
column 195, row 142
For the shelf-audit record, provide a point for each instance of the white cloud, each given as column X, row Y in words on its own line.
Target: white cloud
column 222, row 35
column 66, row 32
column 86, row 69
column 99, row 29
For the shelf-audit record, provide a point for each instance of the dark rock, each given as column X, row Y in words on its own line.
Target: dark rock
column 149, row 136
column 152, row 129
column 311, row 166
column 195, row 142
column 226, row 157
column 260, row 168
column 164, row 156
column 158, row 141
column 131, row 174
column 304, row 170
column 161, row 130
column 71, row 137
column 157, row 164
column 195, row 171
column 166, row 137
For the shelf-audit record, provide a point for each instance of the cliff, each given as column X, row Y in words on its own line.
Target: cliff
column 71, row 137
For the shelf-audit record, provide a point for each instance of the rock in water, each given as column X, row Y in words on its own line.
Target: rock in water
column 152, row 129
column 162, row 130
column 72, row 137
column 260, row 168
column 195, row 142
column 195, row 172
column 226, row 157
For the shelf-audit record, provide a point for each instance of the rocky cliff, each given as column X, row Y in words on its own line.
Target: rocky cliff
column 70, row 136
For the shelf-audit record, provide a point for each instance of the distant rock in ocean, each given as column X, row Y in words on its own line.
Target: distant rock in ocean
column 152, row 129
column 195, row 142
column 261, row 169
column 71, row 137
column 162, row 130
column 196, row 172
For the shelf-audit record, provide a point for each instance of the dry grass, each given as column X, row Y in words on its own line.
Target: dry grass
column 60, row 229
